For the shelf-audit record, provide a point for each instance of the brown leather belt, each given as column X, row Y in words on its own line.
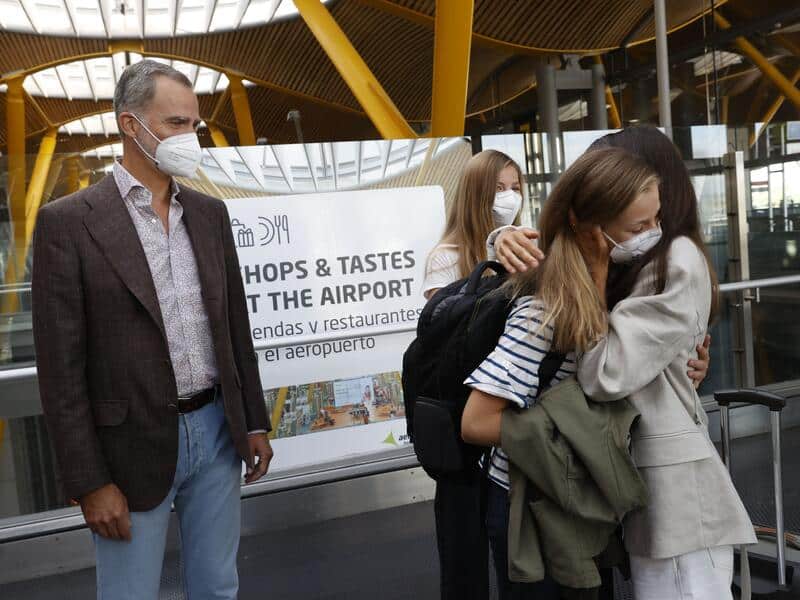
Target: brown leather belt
column 187, row 404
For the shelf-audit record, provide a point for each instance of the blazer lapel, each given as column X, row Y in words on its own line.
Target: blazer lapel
column 111, row 227
column 206, row 243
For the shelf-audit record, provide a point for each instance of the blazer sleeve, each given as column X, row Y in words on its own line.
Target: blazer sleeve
column 255, row 408
column 59, row 330
column 647, row 332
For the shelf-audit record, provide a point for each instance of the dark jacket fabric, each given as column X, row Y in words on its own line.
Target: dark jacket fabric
column 572, row 482
column 105, row 377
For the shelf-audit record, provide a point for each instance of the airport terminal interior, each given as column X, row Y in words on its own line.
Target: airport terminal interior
column 336, row 132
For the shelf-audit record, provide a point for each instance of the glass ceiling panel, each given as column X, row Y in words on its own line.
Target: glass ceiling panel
column 138, row 18
column 95, row 79
column 299, row 168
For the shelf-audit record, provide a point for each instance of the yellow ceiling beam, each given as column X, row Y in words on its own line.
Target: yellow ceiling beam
column 17, row 169
column 41, row 169
column 217, row 135
column 365, row 87
column 241, row 111
column 772, row 110
column 770, row 71
column 73, row 174
column 614, row 120
column 116, row 46
column 24, row 220
column 451, row 53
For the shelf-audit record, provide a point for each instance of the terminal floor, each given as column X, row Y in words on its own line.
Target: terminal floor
column 391, row 554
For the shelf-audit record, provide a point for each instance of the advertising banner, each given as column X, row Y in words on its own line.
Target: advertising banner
column 326, row 275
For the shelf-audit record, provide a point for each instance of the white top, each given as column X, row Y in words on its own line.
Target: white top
column 511, row 371
column 442, row 268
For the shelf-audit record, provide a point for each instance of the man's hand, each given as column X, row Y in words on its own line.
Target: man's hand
column 261, row 449
column 698, row 368
column 106, row 513
column 516, row 250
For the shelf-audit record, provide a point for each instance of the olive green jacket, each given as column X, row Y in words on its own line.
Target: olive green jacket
column 572, row 482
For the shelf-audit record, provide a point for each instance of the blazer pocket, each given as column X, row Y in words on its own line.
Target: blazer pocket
column 109, row 414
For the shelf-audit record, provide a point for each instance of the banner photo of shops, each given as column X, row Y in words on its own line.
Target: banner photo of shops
column 333, row 284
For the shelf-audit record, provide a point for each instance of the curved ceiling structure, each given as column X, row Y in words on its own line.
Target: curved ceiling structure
column 290, row 71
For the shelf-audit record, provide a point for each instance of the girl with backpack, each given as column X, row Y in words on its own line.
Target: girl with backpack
column 488, row 196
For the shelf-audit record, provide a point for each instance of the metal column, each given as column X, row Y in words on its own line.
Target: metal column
column 780, row 529
column 739, row 258
column 662, row 67
column 548, row 112
column 597, row 105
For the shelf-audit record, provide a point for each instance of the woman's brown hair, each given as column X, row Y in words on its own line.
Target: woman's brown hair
column 469, row 216
column 679, row 213
column 598, row 186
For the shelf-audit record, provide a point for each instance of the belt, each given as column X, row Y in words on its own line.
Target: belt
column 187, row 404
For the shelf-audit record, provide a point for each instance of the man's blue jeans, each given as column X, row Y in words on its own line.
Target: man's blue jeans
column 206, row 494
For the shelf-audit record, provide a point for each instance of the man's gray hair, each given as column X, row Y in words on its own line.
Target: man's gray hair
column 137, row 85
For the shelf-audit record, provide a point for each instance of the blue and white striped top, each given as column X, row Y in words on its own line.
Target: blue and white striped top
column 511, row 371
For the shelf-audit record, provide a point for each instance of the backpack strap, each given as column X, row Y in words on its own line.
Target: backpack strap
column 548, row 368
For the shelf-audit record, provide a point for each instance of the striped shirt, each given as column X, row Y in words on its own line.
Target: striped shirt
column 511, row 371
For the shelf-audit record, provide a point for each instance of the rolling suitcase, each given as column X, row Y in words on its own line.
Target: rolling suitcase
column 770, row 579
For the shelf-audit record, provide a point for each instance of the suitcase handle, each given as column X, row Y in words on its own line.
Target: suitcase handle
column 774, row 402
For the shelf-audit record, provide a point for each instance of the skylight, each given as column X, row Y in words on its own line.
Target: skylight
column 95, row 78
column 138, row 18
column 298, row 168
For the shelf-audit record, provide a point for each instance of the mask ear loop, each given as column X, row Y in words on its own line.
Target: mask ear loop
column 610, row 239
column 155, row 137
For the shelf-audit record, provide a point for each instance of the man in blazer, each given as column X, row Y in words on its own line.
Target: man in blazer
column 147, row 373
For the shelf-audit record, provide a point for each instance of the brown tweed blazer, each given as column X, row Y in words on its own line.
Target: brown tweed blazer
column 105, row 376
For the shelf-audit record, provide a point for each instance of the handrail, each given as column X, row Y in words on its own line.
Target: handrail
column 725, row 288
column 738, row 286
column 68, row 519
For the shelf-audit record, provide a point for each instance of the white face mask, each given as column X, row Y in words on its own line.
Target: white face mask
column 636, row 247
column 178, row 155
column 506, row 207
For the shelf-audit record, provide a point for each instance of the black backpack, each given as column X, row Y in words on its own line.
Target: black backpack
column 458, row 328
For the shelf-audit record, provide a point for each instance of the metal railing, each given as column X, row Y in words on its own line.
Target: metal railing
column 22, row 373
column 66, row 519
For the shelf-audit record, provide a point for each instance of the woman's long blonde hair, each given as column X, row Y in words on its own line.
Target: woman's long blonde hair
column 595, row 189
column 469, row 217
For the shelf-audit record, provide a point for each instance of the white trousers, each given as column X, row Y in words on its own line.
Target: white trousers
column 702, row 575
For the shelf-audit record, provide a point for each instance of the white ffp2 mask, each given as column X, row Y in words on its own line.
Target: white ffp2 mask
column 506, row 207
column 177, row 155
column 636, row 247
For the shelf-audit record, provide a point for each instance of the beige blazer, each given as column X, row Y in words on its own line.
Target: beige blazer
column 651, row 337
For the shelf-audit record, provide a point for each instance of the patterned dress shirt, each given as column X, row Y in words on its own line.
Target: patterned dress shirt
column 174, row 270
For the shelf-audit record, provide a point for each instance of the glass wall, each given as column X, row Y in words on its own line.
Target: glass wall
column 303, row 411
